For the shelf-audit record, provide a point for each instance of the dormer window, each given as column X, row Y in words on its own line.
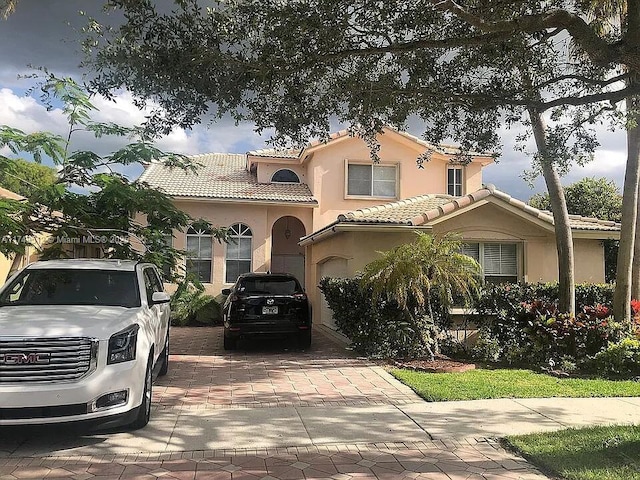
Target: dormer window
column 285, row 176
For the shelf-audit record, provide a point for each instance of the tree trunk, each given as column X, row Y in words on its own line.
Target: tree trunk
column 622, row 296
column 564, row 238
column 635, row 265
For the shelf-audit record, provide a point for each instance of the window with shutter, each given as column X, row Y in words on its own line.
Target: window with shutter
column 454, row 181
column 499, row 261
column 372, row 180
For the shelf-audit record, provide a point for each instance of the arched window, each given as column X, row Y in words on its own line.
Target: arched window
column 199, row 253
column 238, row 258
column 285, row 176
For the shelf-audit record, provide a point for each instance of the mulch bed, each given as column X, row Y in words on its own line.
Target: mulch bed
column 441, row 364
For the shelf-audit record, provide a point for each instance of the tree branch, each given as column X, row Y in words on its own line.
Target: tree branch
column 599, row 50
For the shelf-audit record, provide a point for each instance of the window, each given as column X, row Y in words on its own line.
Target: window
column 151, row 283
column 199, row 253
column 238, row 258
column 167, row 240
column 454, row 181
column 372, row 180
column 285, row 176
column 499, row 261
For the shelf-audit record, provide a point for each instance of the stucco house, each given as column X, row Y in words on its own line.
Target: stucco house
column 326, row 210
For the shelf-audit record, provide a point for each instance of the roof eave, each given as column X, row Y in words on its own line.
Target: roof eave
column 337, row 227
column 246, row 201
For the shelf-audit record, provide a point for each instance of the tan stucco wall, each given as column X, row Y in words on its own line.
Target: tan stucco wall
column 326, row 175
column 265, row 171
column 538, row 262
column 260, row 218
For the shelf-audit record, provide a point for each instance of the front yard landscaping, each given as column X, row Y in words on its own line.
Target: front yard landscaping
column 508, row 383
column 595, row 453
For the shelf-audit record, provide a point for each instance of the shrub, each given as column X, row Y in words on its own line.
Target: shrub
column 621, row 358
column 520, row 324
column 191, row 306
column 375, row 328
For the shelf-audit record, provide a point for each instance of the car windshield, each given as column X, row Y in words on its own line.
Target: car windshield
column 72, row 287
column 269, row 286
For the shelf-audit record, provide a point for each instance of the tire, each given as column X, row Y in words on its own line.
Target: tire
column 164, row 358
column 144, row 411
column 229, row 343
column 304, row 339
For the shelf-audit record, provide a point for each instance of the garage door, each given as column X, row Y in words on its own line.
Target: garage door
column 335, row 268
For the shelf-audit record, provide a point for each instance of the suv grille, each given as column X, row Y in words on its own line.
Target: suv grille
column 31, row 360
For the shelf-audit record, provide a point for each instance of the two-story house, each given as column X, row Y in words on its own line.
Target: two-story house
column 327, row 210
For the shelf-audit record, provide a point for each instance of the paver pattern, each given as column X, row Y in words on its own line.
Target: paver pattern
column 483, row 459
column 256, row 376
column 203, row 376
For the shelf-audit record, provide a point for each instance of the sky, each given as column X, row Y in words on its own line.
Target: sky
column 46, row 34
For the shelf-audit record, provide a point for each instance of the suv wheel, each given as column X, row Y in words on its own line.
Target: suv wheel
column 304, row 339
column 229, row 343
column 144, row 411
column 164, row 358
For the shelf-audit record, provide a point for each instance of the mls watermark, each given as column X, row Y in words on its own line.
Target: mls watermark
column 65, row 240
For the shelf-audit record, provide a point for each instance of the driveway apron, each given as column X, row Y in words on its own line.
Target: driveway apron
column 264, row 411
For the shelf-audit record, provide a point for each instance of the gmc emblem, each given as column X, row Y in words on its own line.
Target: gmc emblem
column 25, row 358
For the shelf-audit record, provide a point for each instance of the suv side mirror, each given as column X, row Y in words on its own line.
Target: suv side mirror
column 226, row 291
column 160, row 297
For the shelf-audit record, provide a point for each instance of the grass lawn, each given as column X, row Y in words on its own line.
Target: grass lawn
column 595, row 453
column 505, row 383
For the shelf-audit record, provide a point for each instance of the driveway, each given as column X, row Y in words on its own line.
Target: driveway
column 264, row 412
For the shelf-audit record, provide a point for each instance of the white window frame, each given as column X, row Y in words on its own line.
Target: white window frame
column 347, row 195
column 238, row 230
column 289, row 170
column 200, row 233
column 167, row 238
column 481, row 259
column 451, row 187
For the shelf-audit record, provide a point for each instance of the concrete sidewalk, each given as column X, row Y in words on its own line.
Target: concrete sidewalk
column 176, row 430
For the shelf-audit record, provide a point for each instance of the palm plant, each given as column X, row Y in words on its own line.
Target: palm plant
column 414, row 275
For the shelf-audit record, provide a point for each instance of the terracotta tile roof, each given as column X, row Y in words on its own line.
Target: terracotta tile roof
column 223, row 176
column 425, row 208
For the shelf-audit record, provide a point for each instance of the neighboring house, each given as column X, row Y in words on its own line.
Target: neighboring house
column 326, row 210
column 74, row 248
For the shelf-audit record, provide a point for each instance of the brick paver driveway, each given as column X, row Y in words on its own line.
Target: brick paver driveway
column 267, row 374
column 204, row 380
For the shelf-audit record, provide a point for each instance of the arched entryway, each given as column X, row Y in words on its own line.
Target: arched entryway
column 286, row 255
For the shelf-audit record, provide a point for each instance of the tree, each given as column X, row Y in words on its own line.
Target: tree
column 90, row 198
column 462, row 69
column 414, row 275
column 596, row 198
column 25, row 178
column 589, row 197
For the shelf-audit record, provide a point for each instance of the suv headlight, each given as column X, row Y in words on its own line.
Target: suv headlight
column 122, row 345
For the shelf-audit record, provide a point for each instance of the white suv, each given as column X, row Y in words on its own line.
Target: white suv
column 82, row 340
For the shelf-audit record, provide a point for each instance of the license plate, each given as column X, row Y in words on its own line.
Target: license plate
column 270, row 310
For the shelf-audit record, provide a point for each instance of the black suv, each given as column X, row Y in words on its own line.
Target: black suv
column 266, row 304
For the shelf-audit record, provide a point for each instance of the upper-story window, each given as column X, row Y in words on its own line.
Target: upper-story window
column 199, row 253
column 285, row 176
column 372, row 180
column 499, row 261
column 454, row 181
column 238, row 258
